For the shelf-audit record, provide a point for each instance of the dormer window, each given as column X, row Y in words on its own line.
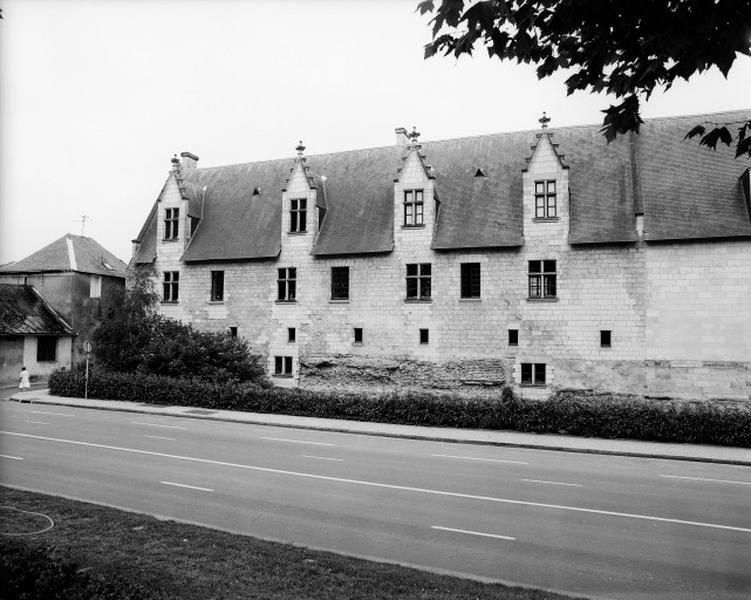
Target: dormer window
column 546, row 206
column 297, row 215
column 171, row 222
column 413, row 208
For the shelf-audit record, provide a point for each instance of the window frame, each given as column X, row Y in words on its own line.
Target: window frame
column 414, row 208
column 283, row 366
column 47, row 348
column 217, row 286
column 470, row 284
column 340, row 283
column 546, row 200
column 419, row 282
column 298, row 220
column 606, row 338
column 542, row 281
column 287, row 284
column 513, row 337
column 424, row 337
column 358, row 335
column 533, row 375
column 170, row 287
column 291, row 335
column 171, row 223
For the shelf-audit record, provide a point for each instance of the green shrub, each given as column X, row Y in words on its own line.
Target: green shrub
column 28, row 573
column 572, row 412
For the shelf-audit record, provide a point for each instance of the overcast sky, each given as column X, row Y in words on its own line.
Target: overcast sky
column 96, row 97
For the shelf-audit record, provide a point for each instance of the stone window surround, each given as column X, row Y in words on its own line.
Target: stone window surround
column 414, row 199
column 171, row 223
column 533, row 375
column 170, row 287
column 298, row 215
column 419, row 282
column 546, row 203
column 282, row 366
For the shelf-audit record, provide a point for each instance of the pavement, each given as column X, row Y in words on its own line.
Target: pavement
column 619, row 447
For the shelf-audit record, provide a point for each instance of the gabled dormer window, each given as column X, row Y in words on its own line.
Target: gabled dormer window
column 297, row 215
column 546, row 205
column 171, row 223
column 413, row 208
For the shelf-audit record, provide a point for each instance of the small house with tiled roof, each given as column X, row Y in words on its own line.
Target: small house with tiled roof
column 32, row 334
column 77, row 277
column 543, row 259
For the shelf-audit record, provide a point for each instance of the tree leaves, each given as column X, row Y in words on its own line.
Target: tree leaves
column 628, row 49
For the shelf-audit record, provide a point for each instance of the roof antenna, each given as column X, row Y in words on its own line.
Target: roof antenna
column 84, row 218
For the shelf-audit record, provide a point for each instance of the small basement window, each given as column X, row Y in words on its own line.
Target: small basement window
column 358, row 335
column 513, row 337
column 424, row 336
column 291, row 334
column 533, row 374
column 605, row 338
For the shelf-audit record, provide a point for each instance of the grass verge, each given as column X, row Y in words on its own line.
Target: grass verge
column 190, row 563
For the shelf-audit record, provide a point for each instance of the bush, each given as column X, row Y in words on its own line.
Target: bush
column 27, row 573
column 572, row 412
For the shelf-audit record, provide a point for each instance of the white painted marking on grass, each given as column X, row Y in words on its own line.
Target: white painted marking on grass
column 37, row 422
column 553, row 482
column 190, row 487
column 480, row 533
column 707, row 479
column 404, row 488
column 276, row 439
column 159, row 437
column 495, row 460
column 158, row 425
column 323, row 458
column 11, row 457
column 44, row 412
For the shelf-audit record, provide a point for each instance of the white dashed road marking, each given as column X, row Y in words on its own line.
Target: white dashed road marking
column 323, row 458
column 490, row 535
column 275, row 439
column 706, row 479
column 190, row 487
column 553, row 482
column 495, row 460
column 158, row 425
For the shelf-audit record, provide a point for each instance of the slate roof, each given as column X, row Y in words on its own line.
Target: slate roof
column 88, row 257
column 684, row 190
column 24, row 312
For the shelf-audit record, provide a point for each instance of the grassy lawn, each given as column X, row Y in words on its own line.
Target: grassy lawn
column 190, row 562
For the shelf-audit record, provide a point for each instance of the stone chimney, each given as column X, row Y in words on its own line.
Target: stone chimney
column 190, row 160
column 401, row 136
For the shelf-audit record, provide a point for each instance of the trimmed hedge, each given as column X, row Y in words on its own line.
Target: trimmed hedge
column 571, row 412
column 28, row 572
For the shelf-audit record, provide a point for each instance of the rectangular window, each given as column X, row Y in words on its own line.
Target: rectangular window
column 171, row 221
column 283, row 366
column 546, row 206
column 470, row 284
column 171, row 286
column 413, row 208
column 424, row 336
column 513, row 337
column 287, row 284
column 233, row 332
column 46, row 349
column 533, row 374
column 358, row 335
column 217, row 286
column 297, row 212
column 419, row 281
column 291, row 334
column 340, row 283
column 542, row 279
column 95, row 286
column 605, row 338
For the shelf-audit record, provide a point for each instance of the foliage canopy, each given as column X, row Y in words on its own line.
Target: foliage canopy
column 627, row 48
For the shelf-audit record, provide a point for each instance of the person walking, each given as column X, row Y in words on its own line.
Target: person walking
column 23, row 380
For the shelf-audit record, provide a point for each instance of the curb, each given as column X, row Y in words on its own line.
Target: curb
column 407, row 436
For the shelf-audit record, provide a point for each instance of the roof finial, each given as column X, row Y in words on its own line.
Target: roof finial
column 544, row 120
column 175, row 163
column 413, row 135
column 300, row 148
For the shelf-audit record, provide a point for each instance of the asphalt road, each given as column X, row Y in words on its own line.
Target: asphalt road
column 605, row 526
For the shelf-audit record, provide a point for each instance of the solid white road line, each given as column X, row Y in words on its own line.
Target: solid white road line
column 404, row 488
column 706, row 479
column 190, row 487
column 495, row 460
column 276, row 439
column 553, row 482
column 323, row 458
column 490, row 535
column 11, row 457
column 44, row 412
column 157, row 425
column 159, row 437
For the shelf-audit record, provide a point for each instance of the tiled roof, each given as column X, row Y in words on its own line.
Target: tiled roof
column 71, row 253
column 24, row 312
column 684, row 190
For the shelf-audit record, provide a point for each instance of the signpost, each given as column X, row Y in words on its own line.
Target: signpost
column 87, row 347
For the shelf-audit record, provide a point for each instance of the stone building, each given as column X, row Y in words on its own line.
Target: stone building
column 544, row 259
